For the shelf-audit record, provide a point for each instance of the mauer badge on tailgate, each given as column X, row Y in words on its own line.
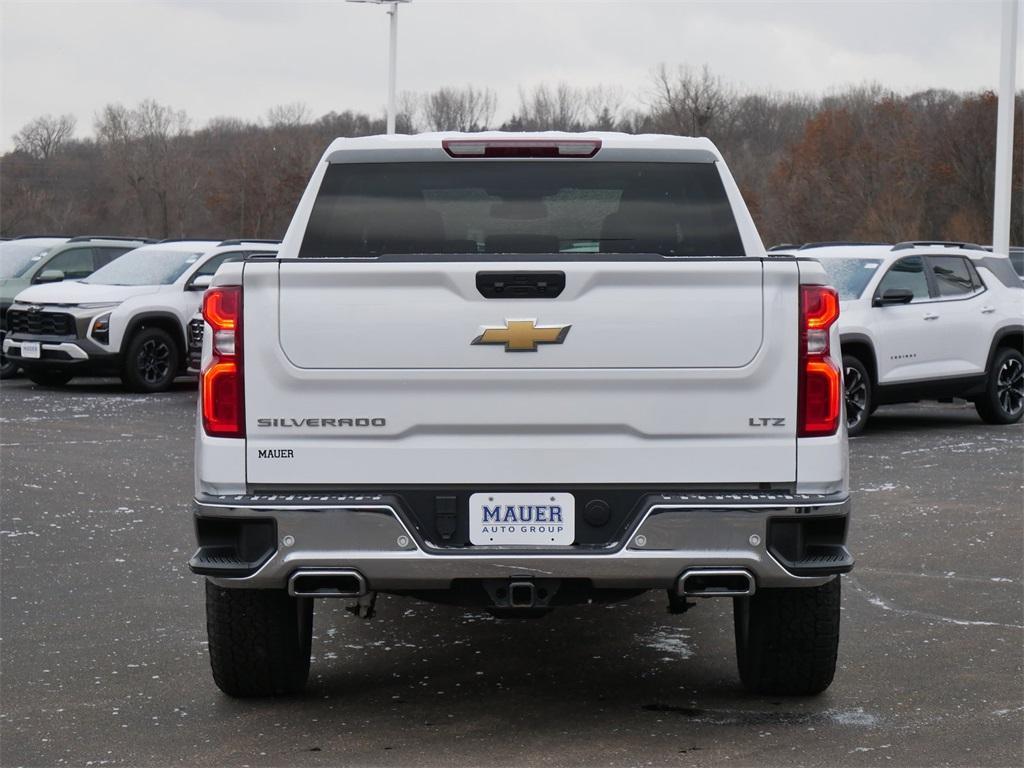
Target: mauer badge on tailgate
column 523, row 335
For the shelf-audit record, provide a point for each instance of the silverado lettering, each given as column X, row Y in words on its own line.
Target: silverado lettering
column 321, row 422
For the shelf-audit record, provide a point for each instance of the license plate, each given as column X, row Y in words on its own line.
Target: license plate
column 522, row 519
column 31, row 349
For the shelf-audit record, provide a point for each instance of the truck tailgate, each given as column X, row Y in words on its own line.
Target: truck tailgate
column 683, row 370
column 424, row 316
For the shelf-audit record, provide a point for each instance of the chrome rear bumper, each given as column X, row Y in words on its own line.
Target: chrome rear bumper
column 674, row 534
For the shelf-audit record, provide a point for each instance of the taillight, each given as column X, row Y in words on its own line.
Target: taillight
column 819, row 386
column 222, row 387
column 521, row 147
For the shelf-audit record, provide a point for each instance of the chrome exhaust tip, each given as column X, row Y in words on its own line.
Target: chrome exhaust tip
column 716, row 582
column 340, row 582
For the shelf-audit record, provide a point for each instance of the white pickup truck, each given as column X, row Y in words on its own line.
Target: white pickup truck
column 518, row 371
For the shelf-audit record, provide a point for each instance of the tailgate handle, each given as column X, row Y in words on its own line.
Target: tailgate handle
column 520, row 285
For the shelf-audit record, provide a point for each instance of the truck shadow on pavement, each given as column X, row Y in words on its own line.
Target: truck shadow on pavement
column 425, row 668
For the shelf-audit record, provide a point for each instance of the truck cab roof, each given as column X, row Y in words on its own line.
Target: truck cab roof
column 608, row 140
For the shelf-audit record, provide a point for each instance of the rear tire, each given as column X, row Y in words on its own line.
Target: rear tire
column 259, row 640
column 151, row 361
column 8, row 367
column 787, row 640
column 49, row 377
column 858, row 393
column 1003, row 400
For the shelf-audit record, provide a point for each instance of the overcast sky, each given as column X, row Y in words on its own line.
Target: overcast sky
column 240, row 58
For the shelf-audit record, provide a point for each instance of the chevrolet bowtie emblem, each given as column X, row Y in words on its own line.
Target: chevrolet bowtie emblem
column 523, row 335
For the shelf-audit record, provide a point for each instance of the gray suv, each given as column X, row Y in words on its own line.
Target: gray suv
column 26, row 261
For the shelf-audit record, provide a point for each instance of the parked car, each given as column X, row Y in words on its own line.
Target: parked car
column 518, row 372
column 27, row 261
column 1017, row 260
column 127, row 318
column 195, row 342
column 197, row 324
column 1016, row 255
column 927, row 321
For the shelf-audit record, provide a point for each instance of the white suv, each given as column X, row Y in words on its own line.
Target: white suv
column 127, row 318
column 927, row 321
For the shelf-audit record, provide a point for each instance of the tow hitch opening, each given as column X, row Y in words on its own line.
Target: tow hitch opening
column 521, row 594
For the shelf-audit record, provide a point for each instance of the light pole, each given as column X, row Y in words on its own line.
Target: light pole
column 392, row 53
column 1004, row 129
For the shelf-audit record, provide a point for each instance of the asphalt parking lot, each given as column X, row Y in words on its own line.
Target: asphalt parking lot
column 104, row 656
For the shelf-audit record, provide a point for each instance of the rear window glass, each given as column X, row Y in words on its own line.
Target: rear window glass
column 850, row 276
column 496, row 207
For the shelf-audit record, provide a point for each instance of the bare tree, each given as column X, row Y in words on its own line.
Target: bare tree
column 570, row 108
column 459, row 109
column 603, row 106
column 563, row 108
column 43, row 136
column 689, row 103
column 24, row 204
column 116, row 134
column 147, row 145
column 407, row 112
column 288, row 115
column 343, row 124
column 858, row 163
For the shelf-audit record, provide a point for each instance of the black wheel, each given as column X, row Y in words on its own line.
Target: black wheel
column 49, row 377
column 1003, row 401
column 259, row 640
column 859, row 396
column 8, row 367
column 151, row 361
column 787, row 640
